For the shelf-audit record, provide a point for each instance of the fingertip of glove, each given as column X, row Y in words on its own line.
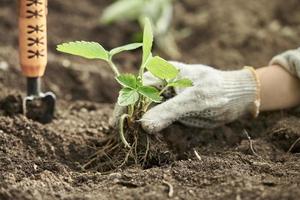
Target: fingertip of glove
column 149, row 126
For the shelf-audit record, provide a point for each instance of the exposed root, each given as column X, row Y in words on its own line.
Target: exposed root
column 147, row 150
column 121, row 130
column 293, row 145
column 171, row 189
column 250, row 143
column 141, row 148
column 126, row 159
column 100, row 153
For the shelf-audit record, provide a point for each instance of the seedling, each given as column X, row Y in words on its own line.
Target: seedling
column 134, row 95
column 160, row 13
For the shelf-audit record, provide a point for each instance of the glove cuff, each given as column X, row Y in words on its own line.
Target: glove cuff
column 242, row 89
column 257, row 102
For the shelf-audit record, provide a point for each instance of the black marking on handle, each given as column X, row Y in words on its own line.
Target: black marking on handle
column 34, row 14
column 33, row 2
column 36, row 28
column 35, row 54
column 35, row 41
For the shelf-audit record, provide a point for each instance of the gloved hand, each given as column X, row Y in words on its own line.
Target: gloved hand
column 216, row 98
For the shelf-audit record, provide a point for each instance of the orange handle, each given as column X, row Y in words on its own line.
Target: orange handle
column 33, row 37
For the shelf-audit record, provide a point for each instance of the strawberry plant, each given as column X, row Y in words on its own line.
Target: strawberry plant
column 134, row 95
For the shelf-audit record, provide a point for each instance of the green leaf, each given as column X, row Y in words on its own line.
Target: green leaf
column 90, row 50
column 127, row 47
column 128, row 96
column 122, row 10
column 161, row 68
column 127, row 80
column 182, row 83
column 147, row 40
column 150, row 92
column 139, row 82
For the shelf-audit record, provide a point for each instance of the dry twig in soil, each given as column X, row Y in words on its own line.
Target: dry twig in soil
column 197, row 155
column 293, row 145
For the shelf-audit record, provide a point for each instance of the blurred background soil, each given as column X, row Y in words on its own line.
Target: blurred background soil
column 44, row 161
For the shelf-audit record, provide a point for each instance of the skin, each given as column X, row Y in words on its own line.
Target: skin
column 279, row 89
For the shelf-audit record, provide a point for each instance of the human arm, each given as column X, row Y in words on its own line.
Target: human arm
column 220, row 97
column 279, row 88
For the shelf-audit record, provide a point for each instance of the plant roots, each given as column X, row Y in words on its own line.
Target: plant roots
column 140, row 149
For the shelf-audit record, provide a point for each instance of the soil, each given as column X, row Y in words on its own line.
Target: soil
column 44, row 161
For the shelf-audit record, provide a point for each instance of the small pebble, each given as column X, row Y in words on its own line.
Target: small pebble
column 35, row 167
column 3, row 65
column 66, row 63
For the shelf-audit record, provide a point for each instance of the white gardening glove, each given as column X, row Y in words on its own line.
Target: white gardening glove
column 216, row 98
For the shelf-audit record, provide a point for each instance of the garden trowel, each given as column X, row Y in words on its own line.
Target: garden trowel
column 33, row 59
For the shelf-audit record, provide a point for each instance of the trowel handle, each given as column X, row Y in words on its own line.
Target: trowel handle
column 33, row 37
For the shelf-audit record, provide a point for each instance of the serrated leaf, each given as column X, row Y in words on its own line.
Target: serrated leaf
column 122, row 10
column 147, row 40
column 161, row 68
column 127, row 47
column 182, row 83
column 90, row 50
column 128, row 96
column 127, row 80
column 150, row 92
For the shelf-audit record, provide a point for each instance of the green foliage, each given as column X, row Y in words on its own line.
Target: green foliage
column 147, row 41
column 151, row 93
column 161, row 68
column 128, row 96
column 94, row 50
column 127, row 47
column 181, row 83
column 90, row 50
column 127, row 80
column 134, row 93
column 131, row 83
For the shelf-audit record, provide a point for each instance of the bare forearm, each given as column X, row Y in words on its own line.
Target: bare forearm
column 279, row 89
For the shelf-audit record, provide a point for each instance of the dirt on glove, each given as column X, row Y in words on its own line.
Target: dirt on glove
column 45, row 161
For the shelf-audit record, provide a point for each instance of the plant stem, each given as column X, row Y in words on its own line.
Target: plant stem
column 164, row 89
column 142, row 68
column 146, row 106
column 141, row 72
column 123, row 139
column 113, row 67
column 130, row 110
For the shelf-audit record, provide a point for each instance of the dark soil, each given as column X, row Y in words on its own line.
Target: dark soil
column 45, row 161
